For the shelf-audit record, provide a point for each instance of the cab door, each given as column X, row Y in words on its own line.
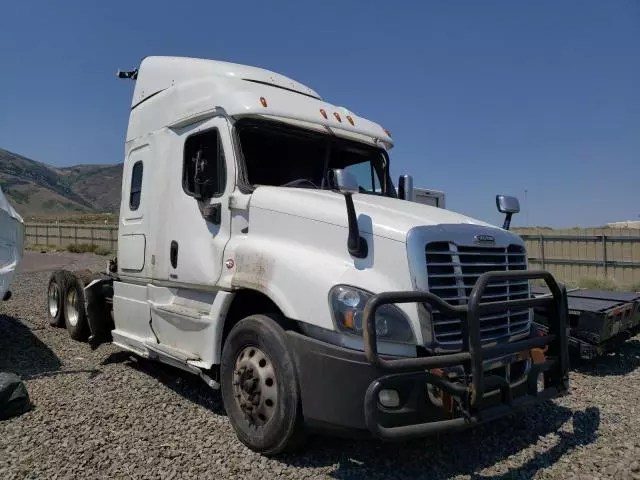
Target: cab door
column 198, row 223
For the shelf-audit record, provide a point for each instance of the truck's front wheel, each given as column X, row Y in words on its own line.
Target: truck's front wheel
column 260, row 387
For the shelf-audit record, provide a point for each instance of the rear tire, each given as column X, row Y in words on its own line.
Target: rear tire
column 260, row 388
column 55, row 298
column 75, row 314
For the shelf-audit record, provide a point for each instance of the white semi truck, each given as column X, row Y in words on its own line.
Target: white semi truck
column 264, row 247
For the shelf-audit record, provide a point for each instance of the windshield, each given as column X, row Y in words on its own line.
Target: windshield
column 283, row 155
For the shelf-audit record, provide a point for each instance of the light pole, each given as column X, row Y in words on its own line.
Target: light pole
column 526, row 208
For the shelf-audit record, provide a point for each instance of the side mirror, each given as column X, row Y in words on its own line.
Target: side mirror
column 507, row 204
column 405, row 187
column 343, row 181
column 346, row 183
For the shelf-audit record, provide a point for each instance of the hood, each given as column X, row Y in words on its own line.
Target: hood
column 382, row 216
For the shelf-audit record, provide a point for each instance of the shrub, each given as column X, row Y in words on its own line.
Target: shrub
column 43, row 248
column 81, row 248
column 634, row 287
column 102, row 251
column 599, row 283
column 87, row 248
column 606, row 283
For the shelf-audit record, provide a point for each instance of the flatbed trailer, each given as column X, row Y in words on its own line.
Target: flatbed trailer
column 599, row 321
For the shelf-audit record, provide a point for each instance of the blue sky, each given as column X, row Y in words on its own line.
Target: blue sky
column 481, row 97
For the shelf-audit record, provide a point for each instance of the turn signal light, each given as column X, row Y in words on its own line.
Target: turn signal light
column 324, row 114
column 350, row 120
column 537, row 355
column 263, row 101
column 348, row 319
column 335, row 114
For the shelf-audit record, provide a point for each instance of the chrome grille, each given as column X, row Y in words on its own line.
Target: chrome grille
column 452, row 271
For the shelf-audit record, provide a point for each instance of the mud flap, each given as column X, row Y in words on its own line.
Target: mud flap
column 98, row 311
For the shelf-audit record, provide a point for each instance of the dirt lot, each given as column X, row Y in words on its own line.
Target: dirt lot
column 104, row 414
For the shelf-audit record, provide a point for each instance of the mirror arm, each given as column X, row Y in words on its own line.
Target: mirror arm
column 356, row 244
column 507, row 221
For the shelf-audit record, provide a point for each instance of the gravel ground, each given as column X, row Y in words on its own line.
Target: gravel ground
column 103, row 414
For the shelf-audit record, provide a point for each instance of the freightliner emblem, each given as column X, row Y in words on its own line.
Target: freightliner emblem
column 484, row 239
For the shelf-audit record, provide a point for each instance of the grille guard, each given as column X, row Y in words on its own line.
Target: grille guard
column 470, row 397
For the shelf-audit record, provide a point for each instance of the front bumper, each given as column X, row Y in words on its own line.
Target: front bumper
column 340, row 387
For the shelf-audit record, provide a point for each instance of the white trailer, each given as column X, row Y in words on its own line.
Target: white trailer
column 11, row 245
column 263, row 246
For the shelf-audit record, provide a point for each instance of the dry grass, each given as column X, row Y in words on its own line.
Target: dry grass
column 36, row 247
column 97, row 219
column 86, row 248
column 79, row 248
column 605, row 283
column 596, row 283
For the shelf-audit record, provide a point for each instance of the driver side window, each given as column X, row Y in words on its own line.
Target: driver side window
column 365, row 176
column 203, row 169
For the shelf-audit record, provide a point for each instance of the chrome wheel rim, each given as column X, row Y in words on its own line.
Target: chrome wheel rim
column 72, row 307
column 255, row 387
column 54, row 299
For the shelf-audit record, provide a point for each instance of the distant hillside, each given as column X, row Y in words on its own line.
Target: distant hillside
column 36, row 189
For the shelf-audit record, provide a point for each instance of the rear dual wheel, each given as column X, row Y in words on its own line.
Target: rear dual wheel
column 66, row 301
column 75, row 312
column 55, row 297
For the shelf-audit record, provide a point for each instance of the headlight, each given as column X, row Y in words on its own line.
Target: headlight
column 347, row 305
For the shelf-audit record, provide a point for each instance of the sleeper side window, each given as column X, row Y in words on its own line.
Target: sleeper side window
column 136, row 186
column 203, row 170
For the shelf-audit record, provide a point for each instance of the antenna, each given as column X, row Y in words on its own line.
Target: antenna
column 132, row 74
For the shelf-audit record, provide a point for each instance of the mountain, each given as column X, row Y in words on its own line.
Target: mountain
column 37, row 189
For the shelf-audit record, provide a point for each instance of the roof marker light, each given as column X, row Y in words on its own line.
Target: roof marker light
column 350, row 120
column 335, row 114
column 263, row 101
column 324, row 114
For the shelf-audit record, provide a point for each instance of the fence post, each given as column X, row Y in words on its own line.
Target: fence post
column 46, row 235
column 541, row 243
column 59, row 235
column 75, row 235
column 92, row 240
column 604, row 254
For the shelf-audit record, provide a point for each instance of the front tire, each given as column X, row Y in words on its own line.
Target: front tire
column 260, row 388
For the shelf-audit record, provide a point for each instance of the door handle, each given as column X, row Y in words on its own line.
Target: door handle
column 173, row 254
